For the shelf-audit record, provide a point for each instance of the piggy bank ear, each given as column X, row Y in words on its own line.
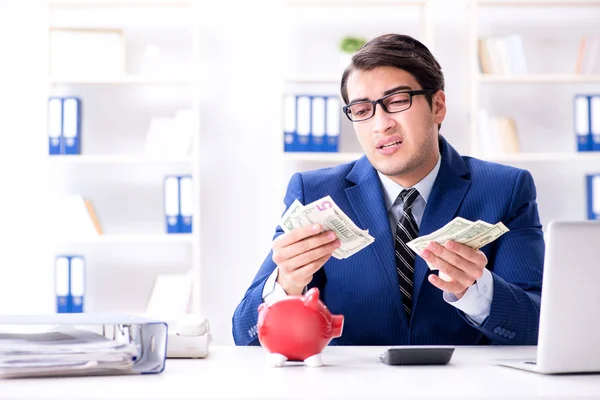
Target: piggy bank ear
column 311, row 298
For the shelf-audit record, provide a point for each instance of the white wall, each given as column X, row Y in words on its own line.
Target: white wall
column 243, row 70
column 240, row 204
column 25, row 282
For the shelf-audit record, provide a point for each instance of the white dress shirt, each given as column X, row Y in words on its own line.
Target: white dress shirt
column 477, row 300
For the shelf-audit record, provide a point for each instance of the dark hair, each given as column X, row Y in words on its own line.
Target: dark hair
column 400, row 51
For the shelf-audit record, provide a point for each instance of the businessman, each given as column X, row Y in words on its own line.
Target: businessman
column 410, row 183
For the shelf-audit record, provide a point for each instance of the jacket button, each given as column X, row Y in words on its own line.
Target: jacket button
column 512, row 335
column 496, row 330
column 501, row 333
column 507, row 333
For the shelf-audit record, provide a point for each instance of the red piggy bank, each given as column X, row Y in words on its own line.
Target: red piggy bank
column 297, row 328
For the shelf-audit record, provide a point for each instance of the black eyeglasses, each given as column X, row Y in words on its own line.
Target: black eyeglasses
column 392, row 103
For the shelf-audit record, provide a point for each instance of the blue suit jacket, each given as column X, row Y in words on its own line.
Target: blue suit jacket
column 364, row 287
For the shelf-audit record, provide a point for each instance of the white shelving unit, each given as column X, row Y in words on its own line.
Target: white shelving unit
column 125, row 80
column 119, row 159
column 541, row 78
column 326, row 23
column 137, row 239
column 124, row 184
column 541, row 100
column 477, row 7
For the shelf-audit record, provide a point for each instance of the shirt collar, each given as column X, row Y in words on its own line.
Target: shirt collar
column 391, row 190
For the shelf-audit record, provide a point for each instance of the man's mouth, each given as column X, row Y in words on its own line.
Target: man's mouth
column 387, row 146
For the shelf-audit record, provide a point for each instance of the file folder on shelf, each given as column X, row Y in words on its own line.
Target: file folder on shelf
column 72, row 125
column 76, row 283
column 55, row 125
column 595, row 122
column 303, row 124
column 81, row 344
column 593, row 196
column 61, row 277
column 582, row 117
column 317, row 131
column 171, row 192
column 186, row 204
column 289, row 122
column 333, row 123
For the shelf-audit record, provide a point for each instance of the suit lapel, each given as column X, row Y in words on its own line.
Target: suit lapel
column 366, row 200
column 446, row 196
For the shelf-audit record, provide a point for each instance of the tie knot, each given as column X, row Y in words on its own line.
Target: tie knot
column 408, row 197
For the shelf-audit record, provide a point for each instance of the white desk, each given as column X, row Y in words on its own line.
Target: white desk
column 350, row 373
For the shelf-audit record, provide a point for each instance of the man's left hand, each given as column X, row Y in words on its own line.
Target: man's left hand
column 461, row 263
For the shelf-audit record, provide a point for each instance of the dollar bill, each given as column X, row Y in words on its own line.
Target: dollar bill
column 489, row 236
column 454, row 227
column 473, row 234
column 326, row 213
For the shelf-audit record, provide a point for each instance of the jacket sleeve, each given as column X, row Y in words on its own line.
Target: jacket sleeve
column 516, row 263
column 245, row 317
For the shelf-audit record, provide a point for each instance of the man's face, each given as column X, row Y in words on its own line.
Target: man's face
column 404, row 145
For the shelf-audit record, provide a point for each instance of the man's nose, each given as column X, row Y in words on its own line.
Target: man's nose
column 382, row 121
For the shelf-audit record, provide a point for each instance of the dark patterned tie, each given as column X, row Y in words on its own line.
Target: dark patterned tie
column 406, row 230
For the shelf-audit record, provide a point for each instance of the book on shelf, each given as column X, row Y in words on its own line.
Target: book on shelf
column 75, row 216
column 502, row 55
column 588, row 58
column 498, row 135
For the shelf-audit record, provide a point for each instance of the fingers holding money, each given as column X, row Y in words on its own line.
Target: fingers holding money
column 296, row 235
column 461, row 263
column 300, row 253
column 306, row 249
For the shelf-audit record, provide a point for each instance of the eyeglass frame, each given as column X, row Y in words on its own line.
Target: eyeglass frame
column 383, row 107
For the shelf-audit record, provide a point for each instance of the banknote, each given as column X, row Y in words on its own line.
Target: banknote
column 326, row 213
column 473, row 234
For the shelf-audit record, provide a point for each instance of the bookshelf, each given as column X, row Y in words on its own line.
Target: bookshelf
column 540, row 78
column 115, row 170
column 117, row 159
column 323, row 157
column 541, row 99
column 480, row 81
column 145, row 239
column 326, row 23
column 125, row 80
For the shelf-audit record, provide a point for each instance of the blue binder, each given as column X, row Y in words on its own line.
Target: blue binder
column 171, row 203
column 303, row 124
column 76, row 283
column 333, row 123
column 595, row 121
column 186, row 204
column 55, row 116
column 593, row 196
column 72, row 125
column 582, row 122
column 289, row 122
column 317, row 129
column 61, row 284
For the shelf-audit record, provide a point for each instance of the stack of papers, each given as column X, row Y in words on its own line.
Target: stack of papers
column 65, row 352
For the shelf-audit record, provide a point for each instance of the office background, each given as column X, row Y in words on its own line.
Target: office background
column 243, row 63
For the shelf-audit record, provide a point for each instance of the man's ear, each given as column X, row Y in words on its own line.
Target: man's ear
column 438, row 106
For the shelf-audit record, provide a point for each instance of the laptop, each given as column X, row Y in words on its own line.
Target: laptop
column 569, row 332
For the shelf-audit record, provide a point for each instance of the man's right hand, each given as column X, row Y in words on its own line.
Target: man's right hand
column 300, row 253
